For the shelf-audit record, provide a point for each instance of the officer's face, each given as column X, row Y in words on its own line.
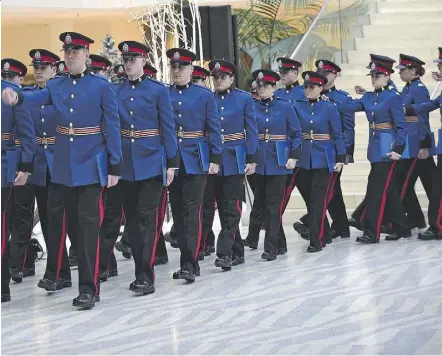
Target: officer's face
column 379, row 80
column 13, row 78
column 313, row 91
column 199, row 81
column 407, row 74
column 266, row 90
column 288, row 76
column 75, row 59
column 133, row 66
column 331, row 77
column 101, row 73
column 42, row 73
column 181, row 74
column 222, row 82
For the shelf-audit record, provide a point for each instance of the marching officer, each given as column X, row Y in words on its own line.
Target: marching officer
column 253, row 88
column 19, row 121
column 385, row 114
column 200, row 75
column 119, row 73
column 382, row 60
column 99, row 65
column 198, row 129
column 323, row 153
column 279, row 147
column 238, row 122
column 87, row 156
column 150, row 157
column 61, row 69
column 36, row 188
column 150, row 70
column 288, row 71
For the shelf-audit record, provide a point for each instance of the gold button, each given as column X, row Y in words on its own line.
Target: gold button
column 72, row 96
column 222, row 130
column 131, row 99
column 131, row 126
column 313, row 113
column 222, row 107
column 267, row 140
column 222, row 119
column 180, row 92
column 267, row 130
column 311, row 121
column 267, row 110
column 267, row 120
column 287, row 91
column 311, row 140
column 71, row 139
column 71, row 110
column 74, row 82
column 222, row 97
column 181, row 128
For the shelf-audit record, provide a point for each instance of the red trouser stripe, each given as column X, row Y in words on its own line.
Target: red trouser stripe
column 324, row 209
column 439, row 217
column 333, row 184
column 197, row 249
column 62, row 245
column 239, row 209
column 4, row 232
column 290, row 188
column 155, row 241
column 384, row 200
column 113, row 246
column 97, row 254
column 407, row 178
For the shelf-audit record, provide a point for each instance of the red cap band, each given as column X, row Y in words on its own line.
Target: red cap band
column 411, row 63
column 288, row 65
column 382, row 70
column 45, row 59
column 77, row 41
column 268, row 78
column 148, row 71
column 225, row 69
column 137, row 50
column 99, row 64
column 316, row 80
column 182, row 58
column 15, row 69
column 197, row 73
column 440, row 55
column 328, row 67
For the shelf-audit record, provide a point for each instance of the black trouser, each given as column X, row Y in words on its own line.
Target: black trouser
column 227, row 193
column 6, row 227
column 435, row 206
column 256, row 220
column 424, row 169
column 209, row 209
column 110, row 228
column 382, row 187
column 186, row 198
column 267, row 208
column 90, row 210
column 161, row 250
column 141, row 202
column 316, row 186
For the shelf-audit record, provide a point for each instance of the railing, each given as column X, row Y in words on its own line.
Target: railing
column 435, row 91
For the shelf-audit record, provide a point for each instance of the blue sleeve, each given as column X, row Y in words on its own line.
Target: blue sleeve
column 350, row 105
column 213, row 124
column 428, row 106
column 398, row 117
column 295, row 132
column 167, row 125
column 336, row 131
column 26, row 134
column 251, row 128
column 348, row 125
column 35, row 98
column 421, row 95
column 111, row 126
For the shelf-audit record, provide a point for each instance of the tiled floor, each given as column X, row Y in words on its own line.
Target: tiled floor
column 348, row 299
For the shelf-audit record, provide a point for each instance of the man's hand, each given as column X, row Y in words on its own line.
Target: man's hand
column 250, row 168
column 213, row 168
column 423, row 153
column 291, row 163
column 338, row 167
column 112, row 181
column 394, row 156
column 170, row 175
column 9, row 97
column 21, row 178
column 436, row 76
column 360, row 90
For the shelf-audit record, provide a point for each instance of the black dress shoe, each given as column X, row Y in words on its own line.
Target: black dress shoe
column 356, row 224
column 171, row 239
column 427, row 235
column 161, row 260
column 47, row 284
column 328, row 240
column 103, row 275
column 365, row 239
column 187, row 275
column 201, row 255
column 124, row 249
column 253, row 245
column 6, row 297
column 395, row 236
column 113, row 273
column 245, row 242
column 387, row 230
column 143, row 287
column 236, row 260
column 210, row 249
column 300, row 228
column 268, row 256
column 312, row 249
column 131, row 286
column 63, row 283
column 282, row 251
column 28, row 271
column 84, row 301
column 176, row 275
column 16, row 274
column 224, row 262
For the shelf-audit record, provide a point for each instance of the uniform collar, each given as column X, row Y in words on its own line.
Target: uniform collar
column 268, row 100
column 224, row 92
column 181, row 87
column 333, row 88
column 290, row 86
column 78, row 76
column 138, row 80
column 382, row 89
column 312, row 101
column 413, row 80
column 38, row 87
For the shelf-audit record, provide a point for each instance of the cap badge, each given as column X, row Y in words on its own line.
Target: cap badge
column 68, row 39
column 307, row 77
column 217, row 66
column 373, row 66
column 125, row 47
column 176, row 56
column 280, row 63
column 61, row 67
column 6, row 66
column 37, row 55
column 120, row 69
column 320, row 65
column 260, row 75
column 89, row 62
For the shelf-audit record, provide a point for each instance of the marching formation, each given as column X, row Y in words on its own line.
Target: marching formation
column 95, row 154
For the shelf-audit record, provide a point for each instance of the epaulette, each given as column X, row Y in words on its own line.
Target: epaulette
column 242, row 91
column 421, row 85
column 100, row 76
column 29, row 88
column 12, row 84
column 301, row 101
column 287, row 101
column 343, row 92
column 329, row 102
column 156, row 81
column 204, row 88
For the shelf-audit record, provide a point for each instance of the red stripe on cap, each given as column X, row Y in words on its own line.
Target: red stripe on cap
column 197, row 73
column 14, row 69
column 268, row 78
column 182, row 58
column 289, row 65
column 225, row 69
column 405, row 62
column 440, row 56
column 77, row 41
column 382, row 70
column 45, row 59
column 328, row 67
column 148, row 71
column 99, row 64
column 137, row 50
column 316, row 80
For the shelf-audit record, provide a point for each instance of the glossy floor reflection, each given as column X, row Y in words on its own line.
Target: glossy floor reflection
column 348, row 299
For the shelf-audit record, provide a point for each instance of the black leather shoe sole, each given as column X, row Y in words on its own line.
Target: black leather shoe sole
column 312, row 249
column 28, row 272
column 253, row 245
column 113, row 273
column 83, row 305
column 367, row 241
column 282, row 251
column 143, row 290
column 188, row 276
column 6, row 298
column 268, row 256
column 201, row 255
column 238, row 261
column 396, row 237
column 223, row 264
column 47, row 285
column 60, row 284
column 161, row 261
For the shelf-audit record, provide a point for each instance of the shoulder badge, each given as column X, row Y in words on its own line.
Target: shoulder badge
column 68, row 39
column 6, row 66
